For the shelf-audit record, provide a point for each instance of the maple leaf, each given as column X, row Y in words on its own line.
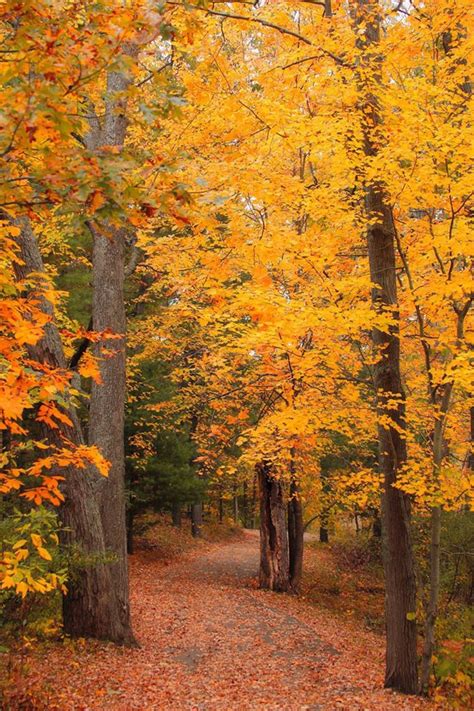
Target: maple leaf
column 89, row 368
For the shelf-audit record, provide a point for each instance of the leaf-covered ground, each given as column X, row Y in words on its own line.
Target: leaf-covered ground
column 210, row 641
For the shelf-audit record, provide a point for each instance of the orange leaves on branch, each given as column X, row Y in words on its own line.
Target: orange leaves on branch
column 96, row 200
column 89, row 367
column 50, row 414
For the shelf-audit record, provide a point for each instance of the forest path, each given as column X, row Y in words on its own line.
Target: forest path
column 210, row 641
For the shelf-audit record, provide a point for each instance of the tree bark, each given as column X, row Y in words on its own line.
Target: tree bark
column 245, row 505
column 432, row 608
column 107, row 404
column 274, row 550
column 196, row 520
column 400, row 600
column 89, row 607
column 221, row 509
column 400, row 596
column 235, row 504
column 323, row 533
column 253, row 520
column 295, row 537
column 376, row 524
column 176, row 514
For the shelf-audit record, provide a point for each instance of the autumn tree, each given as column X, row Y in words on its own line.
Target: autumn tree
column 300, row 272
column 52, row 119
column 356, row 172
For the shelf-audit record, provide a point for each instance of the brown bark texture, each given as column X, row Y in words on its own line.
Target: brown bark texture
column 274, row 549
column 295, row 537
column 89, row 608
column 400, row 585
column 107, row 405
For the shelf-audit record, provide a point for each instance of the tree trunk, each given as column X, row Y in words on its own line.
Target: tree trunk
column 357, row 522
column 107, row 404
column 400, row 608
column 432, row 608
column 253, row 521
column 295, row 537
column 89, row 607
column 400, row 598
column 274, row 552
column 176, row 514
column 245, row 505
column 323, row 533
column 435, row 544
column 235, row 504
column 196, row 520
column 376, row 524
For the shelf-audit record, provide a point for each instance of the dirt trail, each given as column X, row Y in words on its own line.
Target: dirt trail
column 212, row 642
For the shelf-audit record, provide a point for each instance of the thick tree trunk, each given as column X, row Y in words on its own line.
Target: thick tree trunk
column 274, row 552
column 400, row 609
column 295, row 537
column 89, row 607
column 400, row 597
column 107, row 405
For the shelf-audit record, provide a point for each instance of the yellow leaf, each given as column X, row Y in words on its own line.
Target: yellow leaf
column 44, row 553
column 19, row 544
column 22, row 588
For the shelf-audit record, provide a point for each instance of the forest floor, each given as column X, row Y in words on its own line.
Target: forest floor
column 211, row 641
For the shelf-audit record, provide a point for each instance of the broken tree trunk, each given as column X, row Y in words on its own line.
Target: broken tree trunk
column 274, row 549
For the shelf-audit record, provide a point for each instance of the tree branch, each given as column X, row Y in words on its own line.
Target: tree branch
column 246, row 18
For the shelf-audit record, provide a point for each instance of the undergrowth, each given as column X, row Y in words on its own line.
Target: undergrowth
column 346, row 577
column 156, row 533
